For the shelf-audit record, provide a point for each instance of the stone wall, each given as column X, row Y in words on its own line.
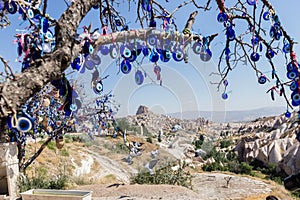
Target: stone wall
column 9, row 170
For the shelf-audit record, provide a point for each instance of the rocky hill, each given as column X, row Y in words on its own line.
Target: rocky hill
column 104, row 160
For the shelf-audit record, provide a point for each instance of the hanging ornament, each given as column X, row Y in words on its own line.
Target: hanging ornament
column 205, row 54
column 154, row 56
column 266, row 15
column 270, row 53
column 251, row 2
column 125, row 66
column 254, row 56
column 139, row 78
column 197, row 47
column 222, row 17
column 262, row 79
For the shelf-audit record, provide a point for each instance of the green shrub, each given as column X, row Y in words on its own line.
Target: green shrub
column 51, row 145
column 41, row 182
column 225, row 143
column 164, row 175
column 64, row 152
column 149, row 139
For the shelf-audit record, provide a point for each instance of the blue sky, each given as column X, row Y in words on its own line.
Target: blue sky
column 185, row 86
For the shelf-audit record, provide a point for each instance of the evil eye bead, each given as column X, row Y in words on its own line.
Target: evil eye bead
column 99, row 86
column 139, row 77
column 154, row 56
column 152, row 40
column 88, row 63
column 290, row 66
column 251, row 2
column 228, row 24
column 262, row 79
column 104, row 50
column 178, row 55
column 145, row 51
column 255, row 41
column 287, row 114
column 96, row 59
column 2, row 5
column 125, row 67
column 278, row 35
column 224, row 96
column 254, row 56
column 272, row 32
column 146, row 5
column 125, row 51
column 30, row 13
column 205, row 54
column 225, row 83
column 117, row 21
column 113, row 51
column 266, row 15
column 157, row 69
column 73, row 107
column 270, row 53
column 165, row 55
column 286, row 48
column 221, row 17
column 197, row 47
column 294, row 86
column 133, row 56
column 230, row 33
column 295, row 98
column 11, row 7
column 152, row 24
column 292, row 74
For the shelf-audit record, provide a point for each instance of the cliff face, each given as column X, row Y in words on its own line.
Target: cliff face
column 271, row 140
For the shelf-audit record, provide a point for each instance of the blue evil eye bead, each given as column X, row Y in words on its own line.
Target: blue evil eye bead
column 88, row 63
column 292, row 74
column 205, row 54
column 262, row 79
column 230, row 33
column 11, row 7
column 2, row 5
column 295, row 98
column 228, row 24
column 99, row 87
column 146, row 5
column 154, row 56
column 290, row 66
column 45, row 24
column 145, row 51
column 152, row 24
column 113, row 51
column 270, row 53
column 294, row 86
column 254, row 56
column 225, row 83
column 278, row 35
column 96, row 59
column 272, row 32
column 224, row 96
column 255, row 41
column 133, row 56
column 73, row 107
column 104, row 50
column 251, row 2
column 125, row 51
column 117, row 21
column 91, row 49
column 221, row 17
column 125, row 67
column 139, row 77
column 30, row 13
column 152, row 40
column 197, row 47
column 157, row 69
column 288, row 114
column 266, row 15
column 286, row 48
column 165, row 55
column 178, row 55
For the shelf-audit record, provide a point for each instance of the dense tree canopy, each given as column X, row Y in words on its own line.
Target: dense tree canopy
column 41, row 99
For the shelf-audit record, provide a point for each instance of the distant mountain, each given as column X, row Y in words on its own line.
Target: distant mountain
column 230, row 116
